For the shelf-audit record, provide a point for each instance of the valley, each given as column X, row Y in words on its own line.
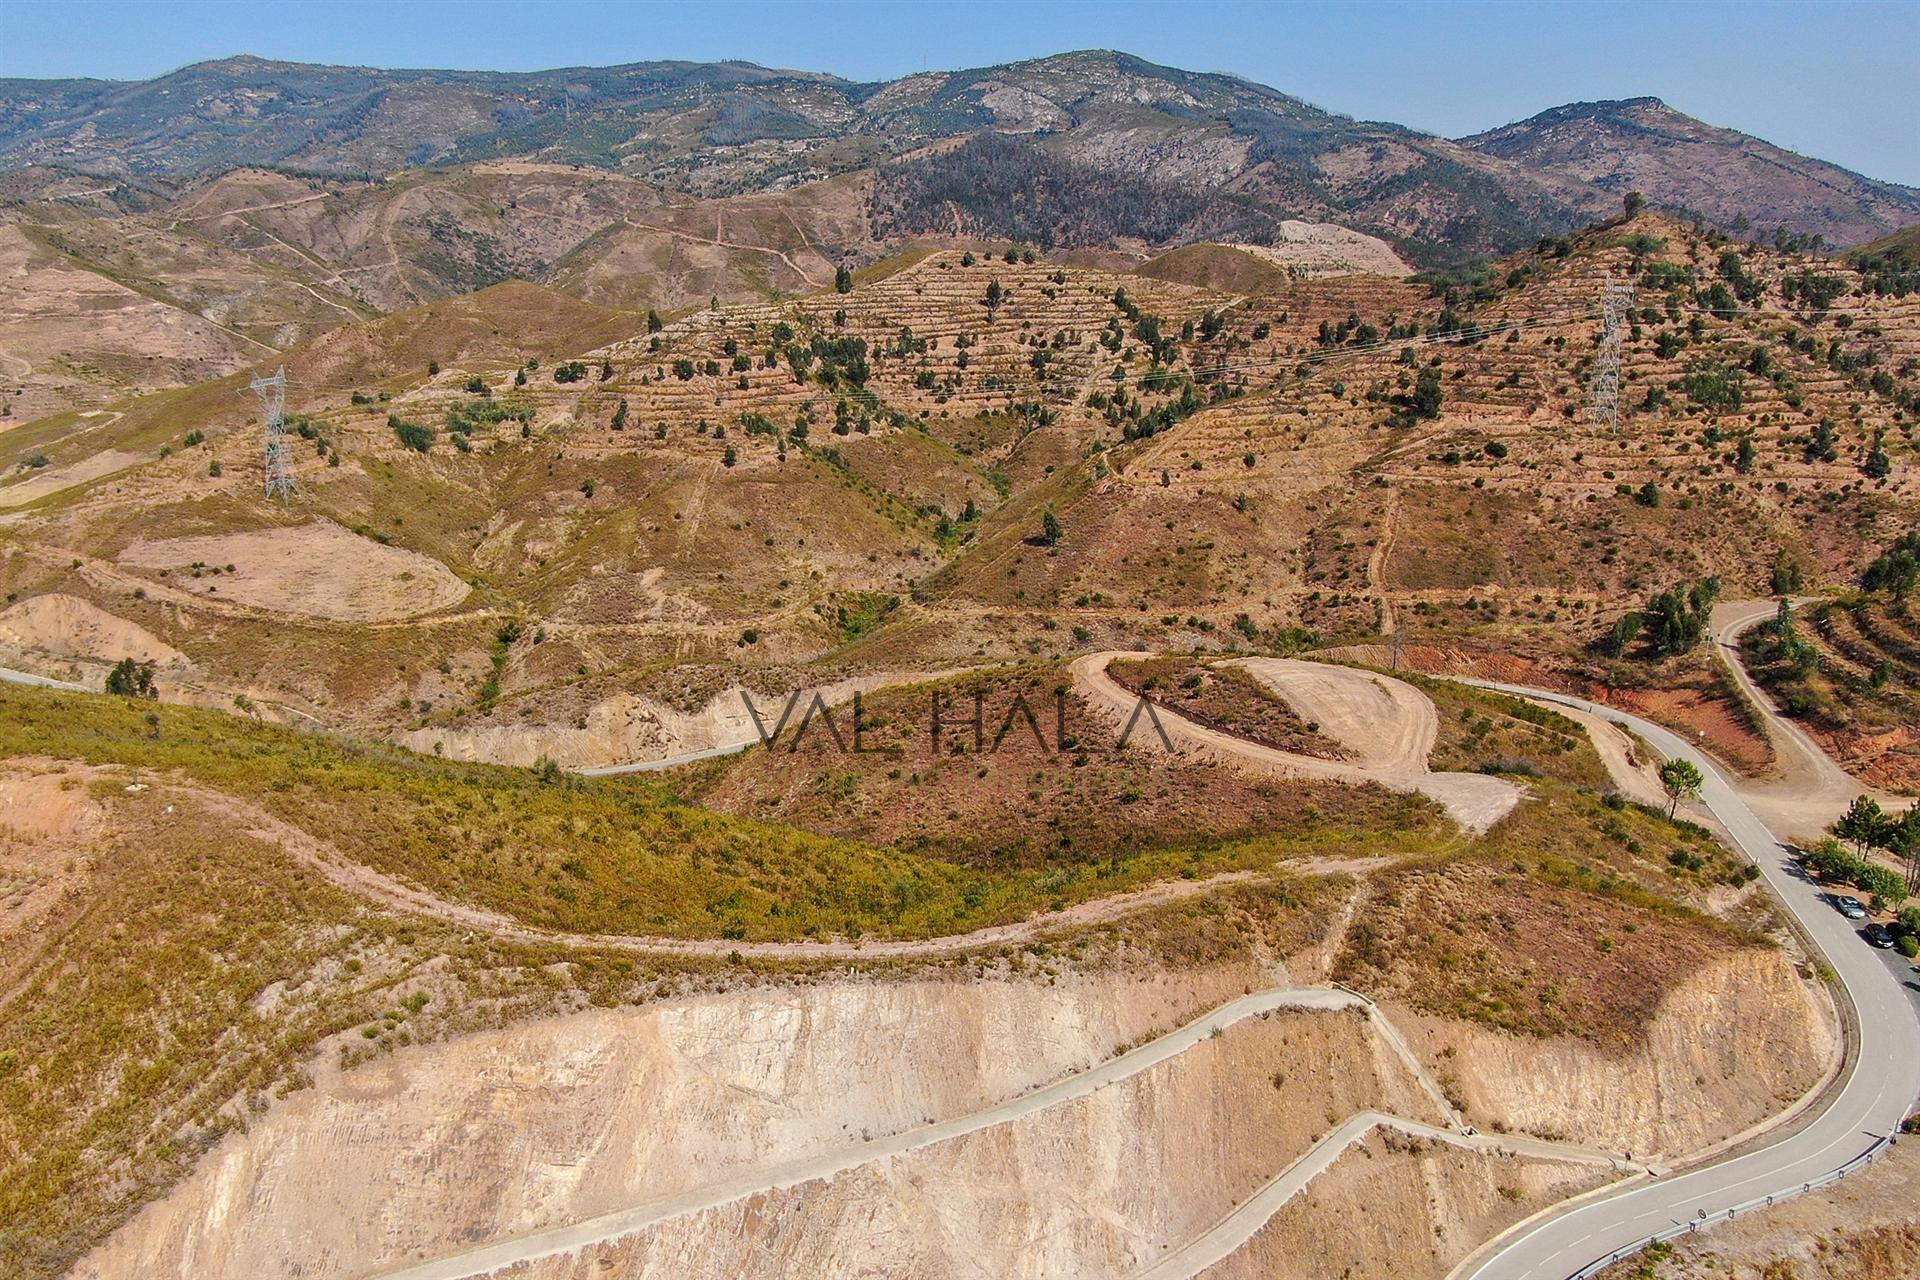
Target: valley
column 1066, row 669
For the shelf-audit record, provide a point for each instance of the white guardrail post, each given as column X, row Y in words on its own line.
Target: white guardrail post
column 1860, row 1161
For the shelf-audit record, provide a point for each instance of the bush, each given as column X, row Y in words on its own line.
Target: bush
column 417, row 436
column 1907, row 945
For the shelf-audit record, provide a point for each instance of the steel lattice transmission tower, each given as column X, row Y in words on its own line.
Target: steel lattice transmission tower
column 1615, row 304
column 273, row 403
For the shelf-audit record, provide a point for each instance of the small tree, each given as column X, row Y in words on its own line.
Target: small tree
column 842, row 279
column 1426, row 398
column 1897, row 569
column 130, row 679
column 1050, row 528
column 1902, row 840
column 1681, row 780
column 1624, row 633
column 994, row 295
column 653, row 322
column 1634, row 203
column 1863, row 825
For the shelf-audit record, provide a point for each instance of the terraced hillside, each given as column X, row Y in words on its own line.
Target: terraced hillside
column 246, row 205
column 969, row 455
column 1849, row 671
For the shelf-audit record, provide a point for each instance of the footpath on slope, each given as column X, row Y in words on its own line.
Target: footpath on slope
column 492, row 1258
column 366, row 882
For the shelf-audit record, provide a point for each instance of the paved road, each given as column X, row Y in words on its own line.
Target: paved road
column 11, row 676
column 1877, row 1092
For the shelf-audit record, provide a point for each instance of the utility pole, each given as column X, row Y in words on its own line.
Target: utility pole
column 1615, row 304
column 273, row 404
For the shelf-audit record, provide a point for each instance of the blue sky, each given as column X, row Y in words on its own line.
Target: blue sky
column 1835, row 80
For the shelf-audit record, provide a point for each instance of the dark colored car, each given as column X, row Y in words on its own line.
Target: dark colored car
column 1850, row 907
column 1878, row 935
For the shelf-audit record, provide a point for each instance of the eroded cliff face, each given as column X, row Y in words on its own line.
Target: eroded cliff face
column 1739, row 1040
column 508, row 1131
column 1098, row 1186
column 743, row 1106
column 1394, row 1206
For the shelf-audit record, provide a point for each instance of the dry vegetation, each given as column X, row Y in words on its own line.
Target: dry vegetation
column 1046, row 785
column 1855, row 690
column 1224, row 698
column 864, row 478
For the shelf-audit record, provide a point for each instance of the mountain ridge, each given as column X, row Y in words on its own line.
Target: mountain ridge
column 735, row 127
column 1729, row 178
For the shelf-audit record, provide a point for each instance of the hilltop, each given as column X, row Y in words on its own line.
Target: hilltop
column 234, row 208
column 1162, row 150
column 1731, row 179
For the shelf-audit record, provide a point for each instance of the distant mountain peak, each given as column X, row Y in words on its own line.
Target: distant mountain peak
column 1129, row 138
column 1682, row 163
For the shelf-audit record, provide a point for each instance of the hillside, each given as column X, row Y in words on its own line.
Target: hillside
column 1106, row 144
column 843, row 485
column 1733, row 180
column 233, row 952
column 151, row 244
column 1109, row 126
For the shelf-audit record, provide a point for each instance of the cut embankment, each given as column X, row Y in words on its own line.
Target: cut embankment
column 64, row 626
column 750, row 1134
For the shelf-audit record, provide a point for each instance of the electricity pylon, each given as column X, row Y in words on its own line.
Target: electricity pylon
column 273, row 403
column 1616, row 303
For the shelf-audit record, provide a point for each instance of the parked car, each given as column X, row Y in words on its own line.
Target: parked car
column 1878, row 935
column 1850, row 907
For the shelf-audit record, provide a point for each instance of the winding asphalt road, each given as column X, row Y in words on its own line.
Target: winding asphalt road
column 1877, row 1091
column 1879, row 1086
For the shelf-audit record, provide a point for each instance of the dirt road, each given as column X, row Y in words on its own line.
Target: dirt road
column 364, row 881
column 1806, row 791
column 1388, row 723
column 1216, row 1243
